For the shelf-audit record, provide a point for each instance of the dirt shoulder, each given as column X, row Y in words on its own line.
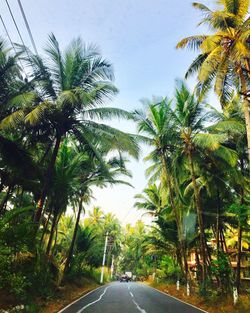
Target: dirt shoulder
column 218, row 305
column 66, row 295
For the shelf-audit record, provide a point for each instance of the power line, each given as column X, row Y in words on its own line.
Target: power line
column 7, row 33
column 19, row 33
column 27, row 26
column 12, row 44
column 14, row 21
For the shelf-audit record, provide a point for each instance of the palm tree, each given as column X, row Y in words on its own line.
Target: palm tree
column 69, row 90
column 95, row 216
column 150, row 200
column 231, row 121
column 196, row 143
column 65, row 180
column 159, row 132
column 94, row 174
column 225, row 54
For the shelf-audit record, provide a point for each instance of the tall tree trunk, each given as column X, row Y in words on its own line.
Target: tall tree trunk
column 218, row 222
column 246, row 110
column 47, row 180
column 239, row 257
column 239, row 252
column 45, row 228
column 71, row 249
column 53, row 226
column 200, row 217
column 223, row 240
column 177, row 217
column 55, row 241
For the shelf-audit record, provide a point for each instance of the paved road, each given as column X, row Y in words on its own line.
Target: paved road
column 128, row 298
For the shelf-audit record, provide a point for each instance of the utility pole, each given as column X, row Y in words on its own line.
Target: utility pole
column 104, row 257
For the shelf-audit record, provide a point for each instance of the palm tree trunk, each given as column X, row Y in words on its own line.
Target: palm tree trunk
column 200, row 217
column 239, row 257
column 223, row 240
column 71, row 249
column 177, row 218
column 47, row 180
column 218, row 222
column 246, row 110
column 45, row 227
column 55, row 241
column 239, row 252
column 54, row 221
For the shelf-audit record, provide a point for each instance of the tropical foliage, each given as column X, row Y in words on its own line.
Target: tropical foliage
column 56, row 146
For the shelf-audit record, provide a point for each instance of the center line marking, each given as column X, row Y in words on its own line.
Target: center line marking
column 138, row 307
column 91, row 303
column 136, row 304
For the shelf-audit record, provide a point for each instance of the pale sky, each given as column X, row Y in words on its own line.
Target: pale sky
column 138, row 37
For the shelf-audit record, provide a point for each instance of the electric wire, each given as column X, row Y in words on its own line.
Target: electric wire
column 14, row 21
column 12, row 44
column 19, row 33
column 27, row 26
column 7, row 33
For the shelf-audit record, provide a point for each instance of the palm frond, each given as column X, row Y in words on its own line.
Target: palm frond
column 192, row 42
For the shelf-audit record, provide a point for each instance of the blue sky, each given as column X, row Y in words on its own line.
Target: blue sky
column 138, row 37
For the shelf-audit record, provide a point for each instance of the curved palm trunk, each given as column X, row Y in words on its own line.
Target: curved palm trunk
column 177, row 218
column 200, row 217
column 47, row 180
column 71, row 249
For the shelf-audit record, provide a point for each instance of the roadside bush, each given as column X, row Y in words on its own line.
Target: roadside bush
column 170, row 268
column 221, row 269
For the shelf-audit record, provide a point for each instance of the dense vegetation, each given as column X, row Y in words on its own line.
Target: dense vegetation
column 55, row 147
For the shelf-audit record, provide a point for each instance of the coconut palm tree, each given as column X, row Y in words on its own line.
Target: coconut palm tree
column 65, row 181
column 197, row 144
column 224, row 54
column 150, row 200
column 70, row 88
column 93, row 174
column 157, row 129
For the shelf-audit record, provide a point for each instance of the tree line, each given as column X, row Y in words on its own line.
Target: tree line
column 199, row 174
column 55, row 146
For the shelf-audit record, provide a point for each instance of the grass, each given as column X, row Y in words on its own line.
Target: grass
column 214, row 305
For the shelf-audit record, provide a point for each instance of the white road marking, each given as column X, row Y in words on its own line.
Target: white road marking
column 138, row 307
column 136, row 304
column 91, row 303
column 62, row 310
column 128, row 287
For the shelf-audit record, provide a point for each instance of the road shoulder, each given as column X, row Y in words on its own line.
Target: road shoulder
column 68, row 295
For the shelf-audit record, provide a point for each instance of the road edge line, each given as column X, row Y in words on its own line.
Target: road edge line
column 85, row 295
column 166, row 294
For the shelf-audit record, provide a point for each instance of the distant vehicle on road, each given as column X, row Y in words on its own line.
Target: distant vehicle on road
column 130, row 275
column 124, row 278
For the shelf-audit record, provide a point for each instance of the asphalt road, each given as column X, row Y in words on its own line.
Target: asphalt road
column 128, row 298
